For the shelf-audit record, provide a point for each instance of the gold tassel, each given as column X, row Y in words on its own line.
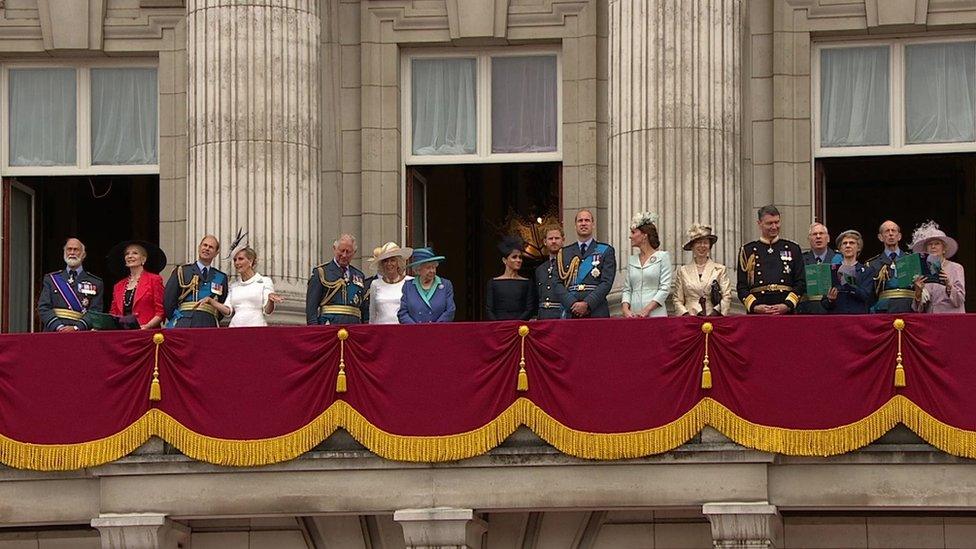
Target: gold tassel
column 706, row 372
column 523, row 378
column 899, row 325
column 342, row 334
column 155, row 391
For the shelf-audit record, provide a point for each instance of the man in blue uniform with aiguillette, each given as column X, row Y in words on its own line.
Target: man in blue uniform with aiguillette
column 771, row 275
column 70, row 297
column 586, row 270
column 192, row 287
column 336, row 290
column 893, row 297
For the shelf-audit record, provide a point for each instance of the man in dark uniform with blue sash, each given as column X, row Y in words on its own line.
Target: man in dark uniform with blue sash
column 771, row 276
column 337, row 290
column 70, row 295
column 586, row 270
column 547, row 285
column 192, row 287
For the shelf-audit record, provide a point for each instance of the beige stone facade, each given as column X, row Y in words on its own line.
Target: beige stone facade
column 286, row 116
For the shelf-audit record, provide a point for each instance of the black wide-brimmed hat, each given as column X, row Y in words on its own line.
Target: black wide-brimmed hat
column 155, row 262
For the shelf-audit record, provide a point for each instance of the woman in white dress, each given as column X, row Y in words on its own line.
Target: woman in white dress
column 390, row 262
column 647, row 280
column 252, row 297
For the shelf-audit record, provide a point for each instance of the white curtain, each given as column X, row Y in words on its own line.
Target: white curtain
column 124, row 116
column 523, row 104
column 444, row 109
column 43, row 117
column 854, row 96
column 940, row 92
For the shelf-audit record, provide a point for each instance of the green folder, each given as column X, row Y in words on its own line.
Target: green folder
column 103, row 321
column 819, row 279
column 908, row 267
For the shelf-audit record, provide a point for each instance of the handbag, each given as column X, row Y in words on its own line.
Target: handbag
column 716, row 296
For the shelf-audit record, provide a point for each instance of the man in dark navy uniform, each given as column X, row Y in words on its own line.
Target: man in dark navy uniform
column 548, row 287
column 70, row 295
column 771, row 278
column 337, row 290
column 820, row 252
column 891, row 298
column 192, row 287
column 586, row 270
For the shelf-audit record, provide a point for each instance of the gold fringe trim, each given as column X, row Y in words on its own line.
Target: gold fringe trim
column 583, row 444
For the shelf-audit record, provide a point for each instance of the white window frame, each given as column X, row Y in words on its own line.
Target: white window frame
column 83, row 142
column 483, row 57
column 896, row 103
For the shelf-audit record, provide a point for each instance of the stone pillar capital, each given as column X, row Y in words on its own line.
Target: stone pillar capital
column 441, row 528
column 139, row 531
column 750, row 525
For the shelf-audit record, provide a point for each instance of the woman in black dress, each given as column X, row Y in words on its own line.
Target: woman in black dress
column 510, row 296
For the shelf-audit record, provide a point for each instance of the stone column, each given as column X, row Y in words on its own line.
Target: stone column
column 441, row 528
column 675, row 119
column 254, row 134
column 744, row 525
column 140, row 531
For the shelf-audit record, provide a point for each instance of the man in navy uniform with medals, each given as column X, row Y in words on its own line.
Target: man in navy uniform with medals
column 337, row 290
column 192, row 288
column 892, row 298
column 586, row 270
column 820, row 252
column 68, row 296
column 548, row 288
column 771, row 275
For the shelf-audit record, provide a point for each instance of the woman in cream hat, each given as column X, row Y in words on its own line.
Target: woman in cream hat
column 948, row 295
column 390, row 262
column 701, row 287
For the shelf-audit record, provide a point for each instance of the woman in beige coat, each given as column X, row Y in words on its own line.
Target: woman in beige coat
column 701, row 287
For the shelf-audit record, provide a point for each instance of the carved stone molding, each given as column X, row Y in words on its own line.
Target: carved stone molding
column 71, row 24
column 896, row 12
column 744, row 525
column 477, row 18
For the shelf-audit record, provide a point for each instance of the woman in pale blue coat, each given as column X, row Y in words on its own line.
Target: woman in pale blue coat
column 647, row 282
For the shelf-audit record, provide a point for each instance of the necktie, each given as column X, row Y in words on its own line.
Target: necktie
column 72, row 275
column 583, row 248
column 819, row 260
column 893, row 256
column 204, row 273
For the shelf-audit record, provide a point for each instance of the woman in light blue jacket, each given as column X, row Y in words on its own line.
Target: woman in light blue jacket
column 647, row 282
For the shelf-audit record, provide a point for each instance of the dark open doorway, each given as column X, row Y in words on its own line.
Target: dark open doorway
column 860, row 193
column 460, row 211
column 100, row 210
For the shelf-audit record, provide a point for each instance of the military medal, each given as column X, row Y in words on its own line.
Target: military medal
column 84, row 302
column 596, row 259
column 595, row 273
column 216, row 289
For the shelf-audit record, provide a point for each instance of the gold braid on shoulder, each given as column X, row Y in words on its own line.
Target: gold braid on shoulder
column 882, row 279
column 332, row 287
column 568, row 274
column 188, row 287
column 748, row 265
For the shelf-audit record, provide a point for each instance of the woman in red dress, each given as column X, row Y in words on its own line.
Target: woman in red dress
column 139, row 296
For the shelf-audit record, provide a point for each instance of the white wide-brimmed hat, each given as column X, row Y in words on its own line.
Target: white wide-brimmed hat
column 388, row 250
column 929, row 231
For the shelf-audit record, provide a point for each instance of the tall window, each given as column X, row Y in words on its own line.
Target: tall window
column 896, row 97
column 79, row 120
column 486, row 106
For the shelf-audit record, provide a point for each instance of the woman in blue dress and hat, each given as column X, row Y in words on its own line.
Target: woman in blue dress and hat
column 428, row 297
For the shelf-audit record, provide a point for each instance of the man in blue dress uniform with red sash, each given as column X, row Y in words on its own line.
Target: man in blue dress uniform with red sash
column 586, row 270
column 68, row 296
column 191, row 287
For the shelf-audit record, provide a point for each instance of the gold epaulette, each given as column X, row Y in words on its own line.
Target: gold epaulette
column 188, row 287
column 748, row 265
column 568, row 273
column 333, row 287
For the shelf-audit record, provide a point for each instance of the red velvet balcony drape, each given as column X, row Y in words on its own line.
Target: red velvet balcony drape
column 602, row 389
